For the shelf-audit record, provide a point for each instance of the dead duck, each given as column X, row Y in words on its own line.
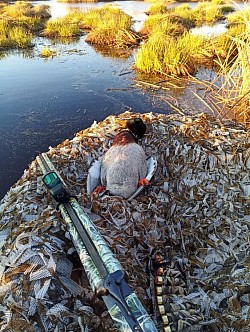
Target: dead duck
column 124, row 165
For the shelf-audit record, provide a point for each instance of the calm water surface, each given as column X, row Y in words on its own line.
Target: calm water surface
column 43, row 102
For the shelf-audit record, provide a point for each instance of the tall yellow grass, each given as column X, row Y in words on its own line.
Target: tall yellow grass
column 14, row 36
column 19, row 21
column 167, row 55
column 109, row 26
column 229, row 93
column 234, row 93
column 61, row 27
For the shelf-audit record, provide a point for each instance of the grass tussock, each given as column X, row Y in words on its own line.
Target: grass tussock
column 166, row 52
column 106, row 36
column 24, row 9
column 157, row 8
column 108, row 15
column 165, row 23
column 64, row 27
column 14, row 36
column 19, row 22
column 61, row 27
column 75, row 18
column 167, row 55
column 26, row 15
column 171, row 50
column 185, row 13
column 47, row 52
column 110, row 27
column 208, row 13
column 204, row 12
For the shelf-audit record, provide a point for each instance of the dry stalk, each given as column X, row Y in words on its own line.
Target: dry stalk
column 178, row 110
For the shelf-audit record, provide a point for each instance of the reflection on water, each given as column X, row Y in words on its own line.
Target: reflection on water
column 136, row 9
column 210, row 31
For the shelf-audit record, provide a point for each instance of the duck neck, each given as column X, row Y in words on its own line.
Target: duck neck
column 124, row 137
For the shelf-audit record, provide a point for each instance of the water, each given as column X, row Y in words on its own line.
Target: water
column 136, row 9
column 210, row 31
column 43, row 102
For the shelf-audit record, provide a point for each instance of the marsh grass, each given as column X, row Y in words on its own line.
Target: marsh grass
column 64, row 27
column 229, row 93
column 172, row 54
column 19, row 9
column 157, row 8
column 172, row 50
column 18, row 22
column 110, row 27
column 234, row 93
column 239, row 17
column 108, row 15
column 166, row 55
column 20, row 37
column 25, row 14
column 61, row 27
column 164, row 23
column 14, row 36
column 186, row 13
column 103, row 35
column 75, row 17
column 4, row 42
column 47, row 52
column 204, row 12
column 223, row 47
column 207, row 13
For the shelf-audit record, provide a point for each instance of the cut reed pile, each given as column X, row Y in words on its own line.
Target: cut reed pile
column 194, row 213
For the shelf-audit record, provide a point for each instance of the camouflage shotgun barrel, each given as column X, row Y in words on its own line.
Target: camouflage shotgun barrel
column 103, row 270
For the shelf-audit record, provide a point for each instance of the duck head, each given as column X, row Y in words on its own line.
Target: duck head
column 135, row 129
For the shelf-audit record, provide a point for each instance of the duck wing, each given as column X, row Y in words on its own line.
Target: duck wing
column 93, row 177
